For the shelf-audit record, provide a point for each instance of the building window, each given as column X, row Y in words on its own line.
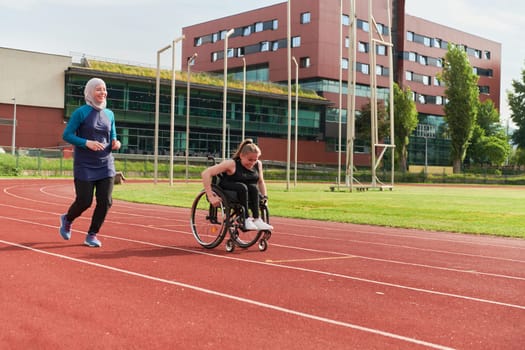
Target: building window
column 344, row 63
column 436, row 43
column 246, row 31
column 304, row 62
column 408, row 75
column 296, row 41
column 240, row 52
column 214, row 56
column 410, row 36
column 412, row 56
column 363, row 25
column 487, row 55
column 381, row 50
column 362, row 47
column 275, row 45
column 265, row 46
column 423, row 60
column 214, row 37
column 381, row 29
column 258, row 27
column 275, row 24
column 198, row 41
column 345, row 19
column 305, row 17
column 484, row 89
column 363, row 68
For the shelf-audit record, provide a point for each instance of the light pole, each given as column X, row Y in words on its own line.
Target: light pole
column 225, row 92
column 296, row 118
column 243, row 97
column 289, row 65
column 13, row 147
column 426, row 155
column 157, row 102
column 191, row 60
column 172, row 114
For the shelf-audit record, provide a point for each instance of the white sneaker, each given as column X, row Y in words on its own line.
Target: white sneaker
column 249, row 225
column 261, row 225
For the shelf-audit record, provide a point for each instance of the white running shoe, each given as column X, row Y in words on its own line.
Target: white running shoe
column 249, row 225
column 261, row 225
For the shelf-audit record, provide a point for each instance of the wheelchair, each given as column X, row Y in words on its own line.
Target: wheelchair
column 210, row 225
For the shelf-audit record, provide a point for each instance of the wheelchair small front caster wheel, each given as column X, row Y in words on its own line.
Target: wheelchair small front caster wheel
column 263, row 245
column 230, row 246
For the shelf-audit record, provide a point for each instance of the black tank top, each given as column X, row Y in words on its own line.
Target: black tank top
column 242, row 174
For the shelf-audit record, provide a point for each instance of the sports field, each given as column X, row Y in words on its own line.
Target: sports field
column 494, row 210
column 319, row 285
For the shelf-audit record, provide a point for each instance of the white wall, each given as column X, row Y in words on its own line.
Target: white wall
column 34, row 79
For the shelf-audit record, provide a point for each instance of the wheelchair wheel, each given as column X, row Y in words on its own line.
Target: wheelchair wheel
column 209, row 224
column 245, row 239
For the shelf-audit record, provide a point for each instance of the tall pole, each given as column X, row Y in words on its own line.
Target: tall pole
column 373, row 95
column 172, row 115
column 351, row 85
column 296, row 118
column 339, row 131
column 190, row 62
column 157, row 102
column 225, row 93
column 243, row 98
column 13, row 147
column 289, row 63
column 391, row 94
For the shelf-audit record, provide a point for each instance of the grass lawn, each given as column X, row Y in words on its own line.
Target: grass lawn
column 494, row 210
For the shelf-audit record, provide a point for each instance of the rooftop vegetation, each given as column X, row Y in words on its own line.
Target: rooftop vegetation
column 198, row 78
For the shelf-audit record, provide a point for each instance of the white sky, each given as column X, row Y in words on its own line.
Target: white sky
column 133, row 30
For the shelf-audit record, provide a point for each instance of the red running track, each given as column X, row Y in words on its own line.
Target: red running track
column 318, row 286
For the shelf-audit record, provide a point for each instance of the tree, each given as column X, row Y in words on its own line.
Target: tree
column 405, row 121
column 516, row 101
column 489, row 143
column 462, row 94
column 364, row 119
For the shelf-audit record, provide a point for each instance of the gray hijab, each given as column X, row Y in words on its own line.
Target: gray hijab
column 89, row 93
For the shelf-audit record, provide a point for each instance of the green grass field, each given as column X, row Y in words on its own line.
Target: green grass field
column 493, row 210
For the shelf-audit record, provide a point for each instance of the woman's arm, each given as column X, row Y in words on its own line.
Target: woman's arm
column 261, row 184
column 226, row 166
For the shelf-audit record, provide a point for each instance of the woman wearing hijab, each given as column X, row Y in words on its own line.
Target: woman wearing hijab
column 91, row 130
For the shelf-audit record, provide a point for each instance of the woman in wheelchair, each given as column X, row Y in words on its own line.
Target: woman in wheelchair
column 242, row 174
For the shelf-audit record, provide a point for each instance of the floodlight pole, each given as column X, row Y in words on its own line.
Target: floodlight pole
column 243, row 98
column 289, row 65
column 191, row 60
column 172, row 115
column 296, row 118
column 225, row 93
column 157, row 102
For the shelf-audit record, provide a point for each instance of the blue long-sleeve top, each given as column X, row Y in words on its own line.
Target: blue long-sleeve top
column 87, row 123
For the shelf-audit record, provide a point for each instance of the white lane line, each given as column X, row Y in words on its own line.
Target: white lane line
column 237, row 298
column 387, row 284
column 462, row 239
column 474, row 272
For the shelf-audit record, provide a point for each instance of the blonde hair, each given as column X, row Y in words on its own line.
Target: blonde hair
column 247, row 146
